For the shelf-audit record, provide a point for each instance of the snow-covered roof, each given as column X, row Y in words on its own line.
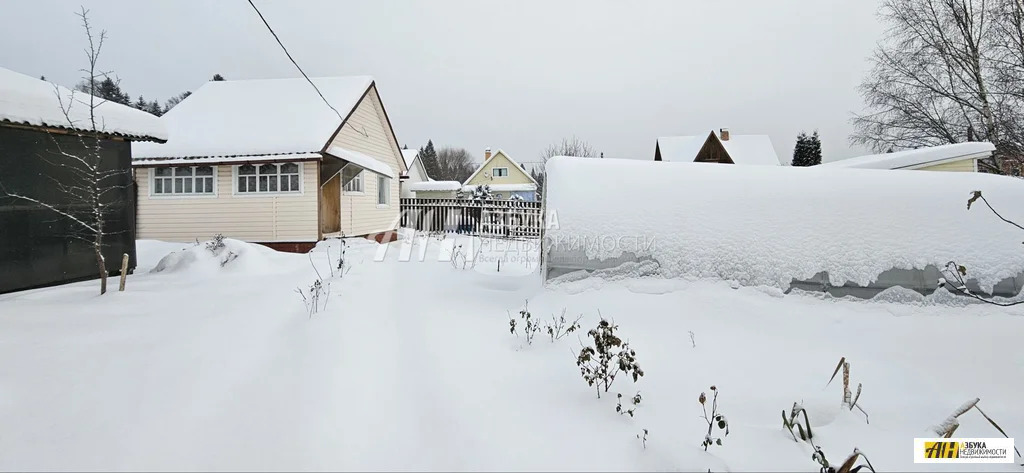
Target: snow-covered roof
column 254, row 117
column 435, row 186
column 914, row 158
column 743, row 149
column 766, row 225
column 25, row 100
column 259, row 158
column 362, row 160
column 509, row 158
column 409, row 156
column 504, row 187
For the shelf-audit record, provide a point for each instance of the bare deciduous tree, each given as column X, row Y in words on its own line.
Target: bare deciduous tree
column 91, row 181
column 452, row 164
column 946, row 72
column 567, row 147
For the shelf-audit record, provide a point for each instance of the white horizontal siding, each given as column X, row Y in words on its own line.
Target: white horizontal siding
column 279, row 218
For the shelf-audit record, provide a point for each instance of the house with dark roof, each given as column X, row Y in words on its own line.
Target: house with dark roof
column 724, row 148
column 49, row 174
column 273, row 162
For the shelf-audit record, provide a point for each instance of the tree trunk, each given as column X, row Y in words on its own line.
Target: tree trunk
column 103, row 270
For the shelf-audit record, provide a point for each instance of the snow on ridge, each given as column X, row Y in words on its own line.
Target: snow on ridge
column 765, row 225
column 30, row 101
column 917, row 157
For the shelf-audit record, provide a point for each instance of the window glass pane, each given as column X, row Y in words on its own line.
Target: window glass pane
column 252, row 184
column 273, row 183
column 158, row 186
column 263, row 184
column 178, row 183
column 209, row 185
column 162, row 171
column 290, row 168
column 382, row 190
column 188, row 186
column 268, row 169
column 247, row 169
column 204, row 170
column 241, row 184
column 182, row 171
column 295, row 183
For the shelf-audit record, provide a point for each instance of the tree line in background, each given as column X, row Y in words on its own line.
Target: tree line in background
column 948, row 71
column 108, row 88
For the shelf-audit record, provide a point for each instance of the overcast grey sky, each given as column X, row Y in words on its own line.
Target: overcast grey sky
column 516, row 75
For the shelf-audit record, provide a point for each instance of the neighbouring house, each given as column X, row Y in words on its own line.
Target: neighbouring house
column 724, row 148
column 436, row 189
column 42, row 154
column 416, row 172
column 959, row 157
column 506, row 178
column 268, row 161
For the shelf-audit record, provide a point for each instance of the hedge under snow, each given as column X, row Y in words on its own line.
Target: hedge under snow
column 764, row 225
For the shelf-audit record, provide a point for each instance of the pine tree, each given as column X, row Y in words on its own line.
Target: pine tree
column 814, row 150
column 154, row 108
column 141, row 104
column 429, row 159
column 800, row 151
column 218, row 77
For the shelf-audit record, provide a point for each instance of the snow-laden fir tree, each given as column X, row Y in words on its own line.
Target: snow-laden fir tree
column 814, row 149
column 801, row 153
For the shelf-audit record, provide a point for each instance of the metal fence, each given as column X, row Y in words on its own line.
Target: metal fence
column 492, row 218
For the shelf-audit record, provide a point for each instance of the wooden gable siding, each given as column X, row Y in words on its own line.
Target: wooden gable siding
column 713, row 152
column 360, row 214
column 254, row 218
column 516, row 175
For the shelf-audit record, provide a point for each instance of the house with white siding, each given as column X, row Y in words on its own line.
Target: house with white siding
column 416, row 172
column 272, row 162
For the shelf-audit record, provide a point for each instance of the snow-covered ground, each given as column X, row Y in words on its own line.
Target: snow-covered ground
column 412, row 366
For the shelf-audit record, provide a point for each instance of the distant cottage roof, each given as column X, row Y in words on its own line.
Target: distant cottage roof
column 25, row 100
column 264, row 117
column 409, row 155
column 914, row 158
column 743, row 149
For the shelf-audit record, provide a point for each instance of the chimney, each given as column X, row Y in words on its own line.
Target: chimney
column 724, row 133
column 487, row 153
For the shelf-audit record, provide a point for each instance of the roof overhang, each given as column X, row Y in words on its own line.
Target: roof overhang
column 232, row 160
column 359, row 159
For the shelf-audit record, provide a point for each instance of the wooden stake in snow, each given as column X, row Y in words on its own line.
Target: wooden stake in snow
column 124, row 271
column 847, row 397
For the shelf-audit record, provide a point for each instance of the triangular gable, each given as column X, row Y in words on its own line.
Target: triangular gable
column 517, row 166
column 392, row 141
column 713, row 151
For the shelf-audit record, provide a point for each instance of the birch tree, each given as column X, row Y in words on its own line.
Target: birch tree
column 945, row 72
column 89, row 186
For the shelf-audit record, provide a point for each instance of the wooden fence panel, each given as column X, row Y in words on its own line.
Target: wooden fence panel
column 493, row 218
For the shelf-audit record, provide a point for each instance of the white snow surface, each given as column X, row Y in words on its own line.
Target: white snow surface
column 743, row 149
column 768, row 225
column 362, row 160
column 435, row 186
column 30, row 101
column 221, row 368
column 409, row 156
column 256, row 117
column 917, row 157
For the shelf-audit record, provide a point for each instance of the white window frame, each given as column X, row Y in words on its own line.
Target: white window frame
column 360, row 176
column 383, row 183
column 494, row 172
column 152, row 178
column 237, row 192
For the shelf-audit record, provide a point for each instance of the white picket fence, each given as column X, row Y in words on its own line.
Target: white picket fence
column 493, row 218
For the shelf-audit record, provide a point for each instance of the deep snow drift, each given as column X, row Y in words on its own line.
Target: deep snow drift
column 411, row 366
column 768, row 225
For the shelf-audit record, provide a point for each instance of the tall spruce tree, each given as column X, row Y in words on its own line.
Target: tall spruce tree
column 218, row 77
column 814, row 149
column 429, row 158
column 801, row 153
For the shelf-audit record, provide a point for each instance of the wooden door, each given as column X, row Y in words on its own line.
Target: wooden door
column 330, row 205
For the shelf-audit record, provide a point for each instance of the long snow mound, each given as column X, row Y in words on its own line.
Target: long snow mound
column 764, row 225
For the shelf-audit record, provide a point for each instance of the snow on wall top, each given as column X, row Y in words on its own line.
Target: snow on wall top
column 743, row 149
column 917, row 157
column 409, row 156
column 435, row 186
column 251, row 117
column 30, row 101
column 765, row 225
